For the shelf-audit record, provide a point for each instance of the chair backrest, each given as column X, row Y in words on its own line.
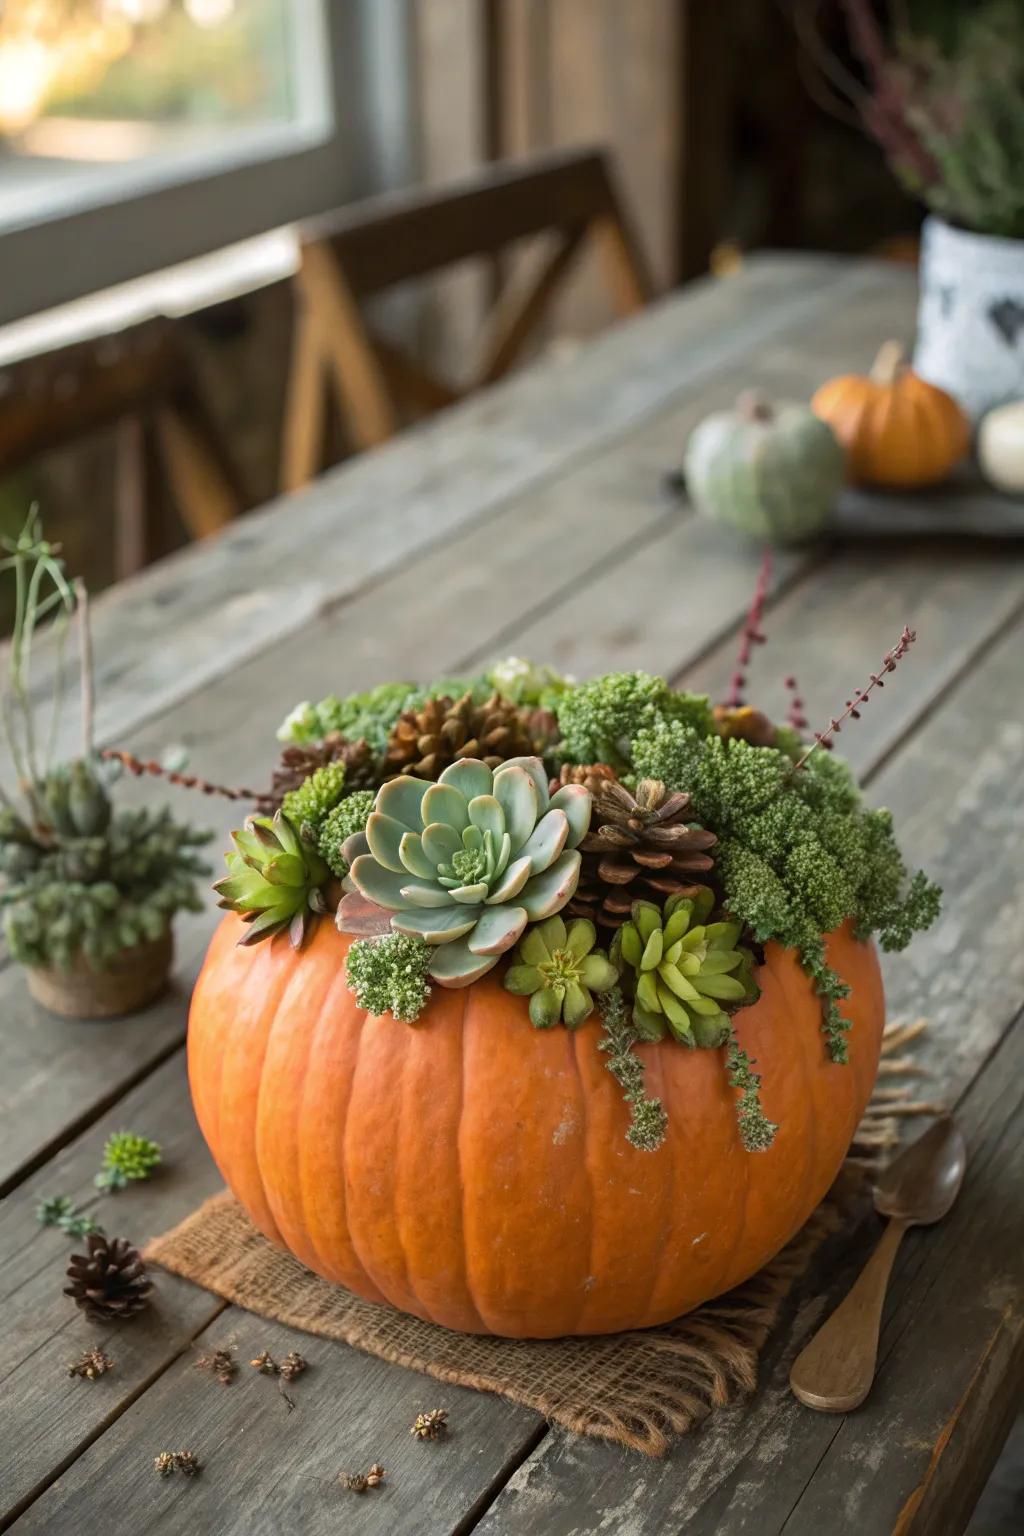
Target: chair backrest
column 357, row 252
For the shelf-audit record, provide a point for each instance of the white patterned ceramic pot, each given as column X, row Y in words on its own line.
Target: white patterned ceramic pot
column 970, row 324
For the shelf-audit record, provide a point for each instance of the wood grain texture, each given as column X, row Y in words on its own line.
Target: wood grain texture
column 199, row 613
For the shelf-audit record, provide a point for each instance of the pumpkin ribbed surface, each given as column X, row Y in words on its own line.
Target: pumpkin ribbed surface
column 474, row 1171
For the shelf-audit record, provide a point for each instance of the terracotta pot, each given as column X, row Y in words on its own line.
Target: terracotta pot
column 131, row 980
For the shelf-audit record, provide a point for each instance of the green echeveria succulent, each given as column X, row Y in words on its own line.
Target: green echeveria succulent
column 467, row 862
column 683, row 969
column 558, row 968
column 274, row 880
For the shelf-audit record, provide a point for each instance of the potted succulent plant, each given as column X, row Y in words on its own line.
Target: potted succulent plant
column 88, row 892
column 542, row 1008
column 945, row 99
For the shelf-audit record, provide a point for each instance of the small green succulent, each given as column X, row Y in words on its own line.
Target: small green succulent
column 275, row 880
column 348, row 818
column 127, row 1157
column 467, row 862
column 389, row 975
column 310, row 804
column 62, row 1212
column 683, row 969
column 559, row 969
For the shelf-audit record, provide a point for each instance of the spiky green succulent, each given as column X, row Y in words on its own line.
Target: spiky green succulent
column 559, row 969
column 685, row 972
column 127, row 1157
column 467, row 862
column 275, row 880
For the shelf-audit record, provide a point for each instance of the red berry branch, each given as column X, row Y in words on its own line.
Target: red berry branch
column 751, row 633
column 136, row 766
column 860, row 697
column 795, row 714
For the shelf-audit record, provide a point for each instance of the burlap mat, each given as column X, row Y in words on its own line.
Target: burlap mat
column 638, row 1389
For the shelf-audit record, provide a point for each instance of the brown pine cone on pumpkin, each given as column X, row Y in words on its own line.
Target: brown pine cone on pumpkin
column 424, row 741
column 590, row 775
column 110, row 1280
column 639, row 848
column 362, row 769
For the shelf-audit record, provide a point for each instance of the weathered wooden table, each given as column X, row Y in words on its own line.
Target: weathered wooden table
column 533, row 520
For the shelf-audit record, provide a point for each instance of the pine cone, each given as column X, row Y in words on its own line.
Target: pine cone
column 110, row 1280
column 424, row 741
column 362, row 770
column 590, row 775
column 638, row 849
column 541, row 725
column 743, row 723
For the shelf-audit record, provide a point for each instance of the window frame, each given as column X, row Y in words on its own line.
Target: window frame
column 172, row 209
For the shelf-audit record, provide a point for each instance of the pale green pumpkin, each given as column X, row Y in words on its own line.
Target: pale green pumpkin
column 773, row 472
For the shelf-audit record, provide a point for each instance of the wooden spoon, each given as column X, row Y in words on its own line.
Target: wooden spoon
column 835, row 1370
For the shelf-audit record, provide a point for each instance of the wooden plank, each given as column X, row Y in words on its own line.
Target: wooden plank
column 748, row 1469
column 199, row 613
column 47, row 1421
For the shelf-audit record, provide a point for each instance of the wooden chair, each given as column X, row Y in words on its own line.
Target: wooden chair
column 364, row 250
column 141, row 382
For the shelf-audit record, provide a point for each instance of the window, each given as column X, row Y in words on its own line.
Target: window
column 139, row 133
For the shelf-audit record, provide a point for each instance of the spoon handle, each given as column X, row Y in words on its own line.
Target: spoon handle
column 835, row 1370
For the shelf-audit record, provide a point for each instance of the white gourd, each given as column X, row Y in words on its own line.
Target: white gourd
column 772, row 471
column 1001, row 447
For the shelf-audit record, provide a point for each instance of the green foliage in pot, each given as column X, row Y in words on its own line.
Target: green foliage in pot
column 772, row 472
column 77, row 877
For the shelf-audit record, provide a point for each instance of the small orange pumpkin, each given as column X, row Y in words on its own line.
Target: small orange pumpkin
column 897, row 429
column 474, row 1171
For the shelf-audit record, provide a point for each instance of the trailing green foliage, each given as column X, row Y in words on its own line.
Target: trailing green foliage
column 127, row 1157
column 85, row 879
column 648, row 1121
column 347, row 818
column 389, row 975
column 798, row 853
column 757, row 1132
column 599, row 720
column 559, row 970
column 308, row 806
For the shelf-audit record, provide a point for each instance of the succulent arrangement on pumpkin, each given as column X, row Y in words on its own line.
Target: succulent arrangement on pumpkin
column 619, row 848
column 83, row 887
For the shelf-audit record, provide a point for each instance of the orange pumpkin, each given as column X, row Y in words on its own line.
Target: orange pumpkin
column 897, row 429
column 474, row 1171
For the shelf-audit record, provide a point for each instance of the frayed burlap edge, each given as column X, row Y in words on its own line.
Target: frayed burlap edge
column 639, row 1389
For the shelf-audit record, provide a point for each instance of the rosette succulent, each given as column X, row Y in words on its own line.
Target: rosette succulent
column 467, row 862
column 274, row 880
column 686, row 972
column 559, row 969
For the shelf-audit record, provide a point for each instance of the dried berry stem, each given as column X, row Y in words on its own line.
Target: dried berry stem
column 751, row 634
column 136, row 766
column 860, row 697
column 795, row 714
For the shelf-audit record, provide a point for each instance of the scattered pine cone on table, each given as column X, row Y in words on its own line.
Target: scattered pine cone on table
column 110, row 1280
column 362, row 769
column 423, row 742
column 640, row 847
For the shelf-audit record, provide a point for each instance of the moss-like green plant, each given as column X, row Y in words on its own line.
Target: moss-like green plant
column 757, row 1132
column 797, row 853
column 308, row 806
column 347, row 818
column 127, row 1157
column 559, row 970
column 390, row 975
column 599, row 720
